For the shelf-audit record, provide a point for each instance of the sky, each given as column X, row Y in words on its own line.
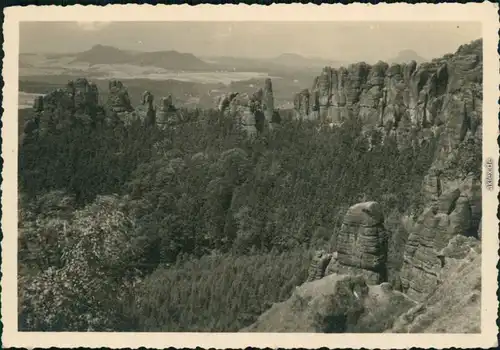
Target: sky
column 331, row 40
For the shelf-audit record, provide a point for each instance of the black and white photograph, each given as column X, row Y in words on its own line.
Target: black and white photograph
column 253, row 176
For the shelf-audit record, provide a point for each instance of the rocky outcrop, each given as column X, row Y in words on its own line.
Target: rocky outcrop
column 348, row 304
column 439, row 285
column 31, row 126
column 335, row 304
column 118, row 98
column 79, row 97
column 268, row 101
column 440, row 99
column 455, row 305
column 78, row 102
column 452, row 208
column 146, row 111
column 166, row 112
column 444, row 93
column 84, row 95
column 248, row 110
column 449, row 214
column 254, row 112
column 362, row 244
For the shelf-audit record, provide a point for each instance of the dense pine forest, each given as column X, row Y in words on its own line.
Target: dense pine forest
column 195, row 227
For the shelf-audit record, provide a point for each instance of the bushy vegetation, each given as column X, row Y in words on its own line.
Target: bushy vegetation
column 193, row 228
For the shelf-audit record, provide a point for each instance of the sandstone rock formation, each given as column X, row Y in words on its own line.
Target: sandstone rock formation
column 318, row 266
column 347, row 304
column 254, row 112
column 146, row 111
column 31, row 126
column 248, row 110
column 447, row 216
column 453, row 307
column 443, row 93
column 79, row 97
column 84, row 95
column 452, row 208
column 268, row 100
column 362, row 244
column 118, row 98
column 441, row 273
column 148, row 100
column 166, row 113
column 77, row 102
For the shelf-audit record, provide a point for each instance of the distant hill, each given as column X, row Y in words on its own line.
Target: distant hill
column 407, row 56
column 100, row 54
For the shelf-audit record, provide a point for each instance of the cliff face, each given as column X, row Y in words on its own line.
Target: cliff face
column 441, row 95
column 455, row 213
column 451, row 192
column 454, row 305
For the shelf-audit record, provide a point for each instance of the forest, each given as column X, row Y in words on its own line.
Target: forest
column 195, row 227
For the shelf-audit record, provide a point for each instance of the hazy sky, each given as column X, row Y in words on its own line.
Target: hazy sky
column 332, row 40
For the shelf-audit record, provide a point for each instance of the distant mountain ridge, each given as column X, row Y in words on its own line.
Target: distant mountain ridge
column 406, row 56
column 101, row 54
column 171, row 59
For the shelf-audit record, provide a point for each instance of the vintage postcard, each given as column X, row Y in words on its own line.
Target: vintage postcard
column 292, row 176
